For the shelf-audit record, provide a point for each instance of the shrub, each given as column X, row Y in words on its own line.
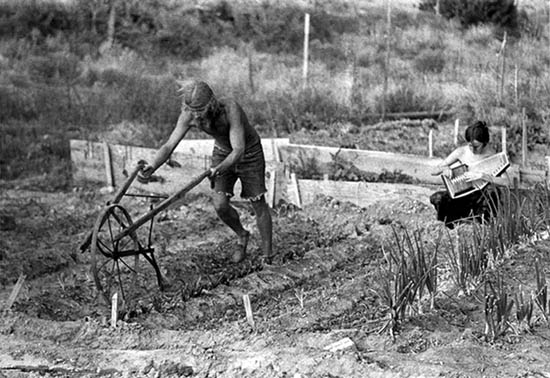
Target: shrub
column 113, row 77
column 14, row 104
column 54, row 67
column 430, row 61
column 499, row 12
column 403, row 98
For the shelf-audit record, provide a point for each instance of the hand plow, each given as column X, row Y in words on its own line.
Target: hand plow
column 116, row 247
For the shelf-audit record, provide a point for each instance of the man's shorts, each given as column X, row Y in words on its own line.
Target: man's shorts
column 250, row 170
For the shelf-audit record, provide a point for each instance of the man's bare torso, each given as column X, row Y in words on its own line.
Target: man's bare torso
column 219, row 126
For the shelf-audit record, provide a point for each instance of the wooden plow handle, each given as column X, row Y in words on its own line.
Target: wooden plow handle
column 163, row 205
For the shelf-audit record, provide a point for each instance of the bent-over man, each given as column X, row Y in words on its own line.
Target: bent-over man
column 237, row 154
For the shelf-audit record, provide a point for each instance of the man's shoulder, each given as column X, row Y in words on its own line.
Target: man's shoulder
column 229, row 102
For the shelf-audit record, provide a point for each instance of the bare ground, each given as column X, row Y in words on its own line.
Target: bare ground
column 323, row 288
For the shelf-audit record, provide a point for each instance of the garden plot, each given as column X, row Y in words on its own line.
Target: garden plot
column 324, row 293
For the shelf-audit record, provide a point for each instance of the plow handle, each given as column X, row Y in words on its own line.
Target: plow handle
column 164, row 204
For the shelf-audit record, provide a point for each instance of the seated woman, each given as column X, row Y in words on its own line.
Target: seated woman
column 481, row 203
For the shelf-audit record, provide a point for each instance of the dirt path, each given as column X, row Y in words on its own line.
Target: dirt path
column 323, row 290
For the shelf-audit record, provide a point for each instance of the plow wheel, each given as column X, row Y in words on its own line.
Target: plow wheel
column 116, row 261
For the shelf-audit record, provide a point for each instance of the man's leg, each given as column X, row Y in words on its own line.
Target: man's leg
column 230, row 217
column 264, row 222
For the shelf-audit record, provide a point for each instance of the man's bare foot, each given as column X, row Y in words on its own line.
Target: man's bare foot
column 240, row 253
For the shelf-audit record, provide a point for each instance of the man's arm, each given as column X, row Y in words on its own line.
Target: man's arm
column 236, row 137
column 164, row 152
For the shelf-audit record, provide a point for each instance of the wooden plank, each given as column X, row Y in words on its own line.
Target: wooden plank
column 418, row 167
column 362, row 193
column 88, row 161
column 205, row 146
column 528, row 177
column 407, row 115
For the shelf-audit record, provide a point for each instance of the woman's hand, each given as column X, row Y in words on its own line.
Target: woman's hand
column 475, row 176
column 439, row 170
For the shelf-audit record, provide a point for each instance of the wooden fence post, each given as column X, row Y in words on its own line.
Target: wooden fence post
column 250, row 69
column 387, row 59
column 523, row 139
column 430, row 143
column 306, row 50
column 457, row 124
column 108, row 167
column 295, row 189
column 503, row 138
column 516, row 94
column 503, row 68
column 272, row 186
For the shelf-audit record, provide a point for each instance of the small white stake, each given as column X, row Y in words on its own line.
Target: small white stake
column 114, row 309
column 15, row 291
column 248, row 310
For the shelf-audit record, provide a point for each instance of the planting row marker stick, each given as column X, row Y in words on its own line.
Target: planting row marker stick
column 523, row 139
column 503, row 138
column 457, row 124
column 248, row 310
column 431, row 143
column 15, row 291
column 108, row 167
column 306, row 49
column 114, row 309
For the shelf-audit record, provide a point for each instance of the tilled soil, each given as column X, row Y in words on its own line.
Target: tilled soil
column 324, row 287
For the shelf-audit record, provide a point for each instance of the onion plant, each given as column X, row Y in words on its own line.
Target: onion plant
column 524, row 308
column 411, row 269
column 541, row 296
column 497, row 310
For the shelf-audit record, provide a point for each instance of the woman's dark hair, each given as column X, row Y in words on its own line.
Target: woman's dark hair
column 478, row 131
